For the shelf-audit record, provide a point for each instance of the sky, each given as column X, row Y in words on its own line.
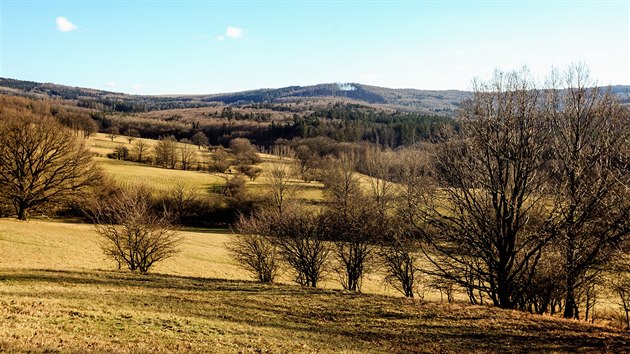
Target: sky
column 201, row 47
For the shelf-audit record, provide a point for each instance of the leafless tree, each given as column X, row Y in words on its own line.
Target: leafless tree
column 352, row 222
column 166, row 152
column 399, row 256
column 41, row 162
column 140, row 150
column 485, row 229
column 112, row 132
column 180, row 201
column 590, row 177
column 297, row 235
column 244, row 151
column 131, row 135
column 187, row 156
column 300, row 236
column 220, row 162
column 252, row 172
column 133, row 233
column 618, row 281
column 253, row 250
column 382, row 190
column 279, row 178
column 200, row 139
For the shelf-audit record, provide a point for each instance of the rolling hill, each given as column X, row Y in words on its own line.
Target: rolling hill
column 444, row 102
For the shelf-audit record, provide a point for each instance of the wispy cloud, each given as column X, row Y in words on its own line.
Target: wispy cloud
column 64, row 25
column 137, row 87
column 232, row 32
column 111, row 84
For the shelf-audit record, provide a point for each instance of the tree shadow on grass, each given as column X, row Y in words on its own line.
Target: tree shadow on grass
column 356, row 320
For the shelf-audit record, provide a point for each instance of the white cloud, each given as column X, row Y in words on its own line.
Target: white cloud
column 64, row 25
column 111, row 84
column 137, row 87
column 232, row 32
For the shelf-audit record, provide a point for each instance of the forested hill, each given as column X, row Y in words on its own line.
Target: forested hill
column 441, row 102
column 410, row 100
column 445, row 101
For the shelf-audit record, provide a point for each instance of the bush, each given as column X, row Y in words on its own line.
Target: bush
column 253, row 252
column 133, row 234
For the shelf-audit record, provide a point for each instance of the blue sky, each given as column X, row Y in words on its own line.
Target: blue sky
column 162, row 47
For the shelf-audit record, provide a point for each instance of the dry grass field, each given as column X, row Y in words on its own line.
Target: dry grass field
column 59, row 293
column 129, row 173
column 60, row 246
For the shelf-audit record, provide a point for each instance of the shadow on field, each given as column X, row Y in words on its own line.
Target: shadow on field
column 351, row 321
column 151, row 281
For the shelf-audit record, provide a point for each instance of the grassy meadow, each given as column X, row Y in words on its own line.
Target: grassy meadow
column 59, row 293
column 129, row 173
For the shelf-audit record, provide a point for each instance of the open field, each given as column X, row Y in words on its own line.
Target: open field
column 101, row 311
column 58, row 293
column 163, row 180
column 130, row 173
column 75, row 247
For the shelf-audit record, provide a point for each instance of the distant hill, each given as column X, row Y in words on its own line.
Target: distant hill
column 405, row 99
column 442, row 102
column 426, row 101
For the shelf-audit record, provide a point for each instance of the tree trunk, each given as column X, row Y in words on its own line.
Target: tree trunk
column 569, row 300
column 22, row 213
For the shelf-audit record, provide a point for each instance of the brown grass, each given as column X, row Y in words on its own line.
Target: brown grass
column 58, row 293
column 106, row 311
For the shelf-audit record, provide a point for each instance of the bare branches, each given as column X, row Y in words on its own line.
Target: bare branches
column 133, row 234
column 590, row 178
column 252, row 248
column 41, row 163
column 484, row 227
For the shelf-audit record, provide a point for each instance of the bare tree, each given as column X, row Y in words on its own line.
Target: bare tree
column 244, row 151
column 279, row 179
column 140, row 150
column 618, row 280
column 166, row 152
column 252, row 172
column 253, row 250
column 220, row 162
column 352, row 222
column 591, row 178
column 485, row 230
column 200, row 139
column 399, row 255
column 180, row 201
column 132, row 134
column 300, row 235
column 187, row 156
column 41, row 163
column 378, row 165
column 133, row 233
column 112, row 132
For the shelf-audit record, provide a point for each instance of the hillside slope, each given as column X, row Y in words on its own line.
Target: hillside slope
column 58, row 294
column 442, row 101
column 119, row 312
